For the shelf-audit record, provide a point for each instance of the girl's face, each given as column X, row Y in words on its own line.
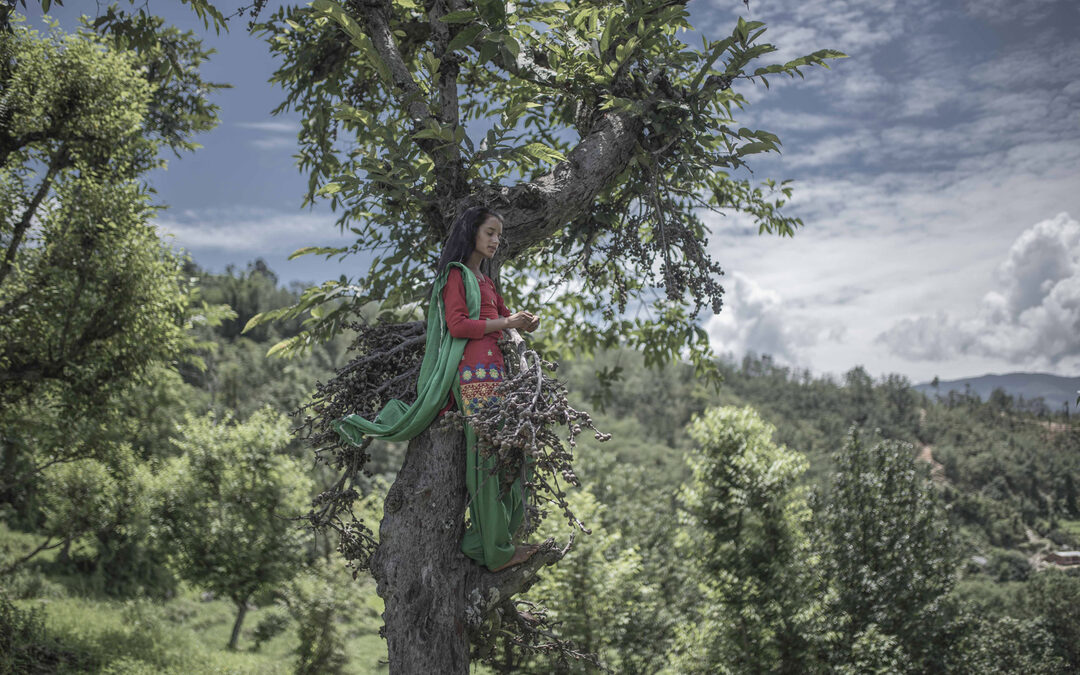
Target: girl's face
column 487, row 236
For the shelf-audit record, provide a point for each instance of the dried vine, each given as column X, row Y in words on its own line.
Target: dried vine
column 520, row 627
column 387, row 367
column 522, row 433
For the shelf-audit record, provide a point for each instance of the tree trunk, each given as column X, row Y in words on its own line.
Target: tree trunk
column 241, row 611
column 418, row 566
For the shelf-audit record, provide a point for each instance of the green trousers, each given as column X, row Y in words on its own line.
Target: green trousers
column 493, row 518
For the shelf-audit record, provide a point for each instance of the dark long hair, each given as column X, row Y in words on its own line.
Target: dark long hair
column 462, row 240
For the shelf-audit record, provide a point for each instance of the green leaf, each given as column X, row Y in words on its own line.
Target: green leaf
column 512, row 46
column 543, row 153
column 255, row 320
column 460, row 16
column 464, row 37
column 754, row 148
column 284, row 346
column 741, row 30
column 338, row 14
column 605, row 37
column 488, row 50
column 493, row 12
column 317, row 250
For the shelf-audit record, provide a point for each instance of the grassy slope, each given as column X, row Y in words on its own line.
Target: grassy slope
column 184, row 635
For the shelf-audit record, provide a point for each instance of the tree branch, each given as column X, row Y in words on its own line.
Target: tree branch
column 484, row 591
column 533, row 211
column 58, row 161
column 10, row 144
column 31, row 371
column 376, row 16
column 43, row 547
column 449, row 169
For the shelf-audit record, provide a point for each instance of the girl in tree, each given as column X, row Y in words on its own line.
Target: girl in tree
column 462, row 366
column 474, row 238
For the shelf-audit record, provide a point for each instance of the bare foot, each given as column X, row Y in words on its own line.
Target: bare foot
column 521, row 554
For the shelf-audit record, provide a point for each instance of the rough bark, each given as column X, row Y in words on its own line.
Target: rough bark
column 533, row 211
column 485, row 591
column 418, row 566
column 241, row 612
column 435, row 596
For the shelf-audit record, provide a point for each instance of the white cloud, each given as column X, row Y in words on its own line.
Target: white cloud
column 280, row 134
column 271, row 126
column 880, row 246
column 1032, row 318
column 250, row 231
column 274, row 142
column 778, row 119
column 1009, row 11
column 756, row 319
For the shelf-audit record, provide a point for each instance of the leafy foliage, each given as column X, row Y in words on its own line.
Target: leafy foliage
column 1052, row 597
column 441, row 108
column 24, row 646
column 1010, row 645
column 90, row 298
column 888, row 553
column 226, row 504
column 318, row 600
column 744, row 533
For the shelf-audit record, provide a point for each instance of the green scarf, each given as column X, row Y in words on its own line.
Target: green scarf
column 438, row 371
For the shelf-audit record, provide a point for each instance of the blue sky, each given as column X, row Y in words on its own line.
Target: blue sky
column 937, row 172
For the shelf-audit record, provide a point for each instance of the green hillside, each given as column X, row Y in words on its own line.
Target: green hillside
column 719, row 517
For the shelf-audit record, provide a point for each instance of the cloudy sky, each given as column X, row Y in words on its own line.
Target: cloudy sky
column 937, row 172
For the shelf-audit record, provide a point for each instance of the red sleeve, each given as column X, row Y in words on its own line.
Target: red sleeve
column 503, row 311
column 457, row 311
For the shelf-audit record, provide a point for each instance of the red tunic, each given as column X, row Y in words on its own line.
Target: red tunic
column 481, row 368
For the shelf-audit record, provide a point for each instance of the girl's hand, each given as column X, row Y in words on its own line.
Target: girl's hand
column 522, row 321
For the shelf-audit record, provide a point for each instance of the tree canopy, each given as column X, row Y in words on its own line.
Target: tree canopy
column 593, row 128
column 90, row 297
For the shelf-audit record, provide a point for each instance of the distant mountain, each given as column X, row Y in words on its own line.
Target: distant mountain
column 1052, row 388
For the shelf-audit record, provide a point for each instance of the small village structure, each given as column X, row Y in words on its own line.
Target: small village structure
column 1064, row 558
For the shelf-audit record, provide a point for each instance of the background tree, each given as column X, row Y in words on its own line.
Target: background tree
column 318, row 600
column 225, row 507
column 76, row 499
column 744, row 538
column 1050, row 599
column 599, row 598
column 889, row 555
column 135, row 26
column 1009, row 645
column 592, row 128
column 90, row 297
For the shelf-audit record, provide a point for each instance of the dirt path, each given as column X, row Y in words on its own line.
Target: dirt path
column 937, row 469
